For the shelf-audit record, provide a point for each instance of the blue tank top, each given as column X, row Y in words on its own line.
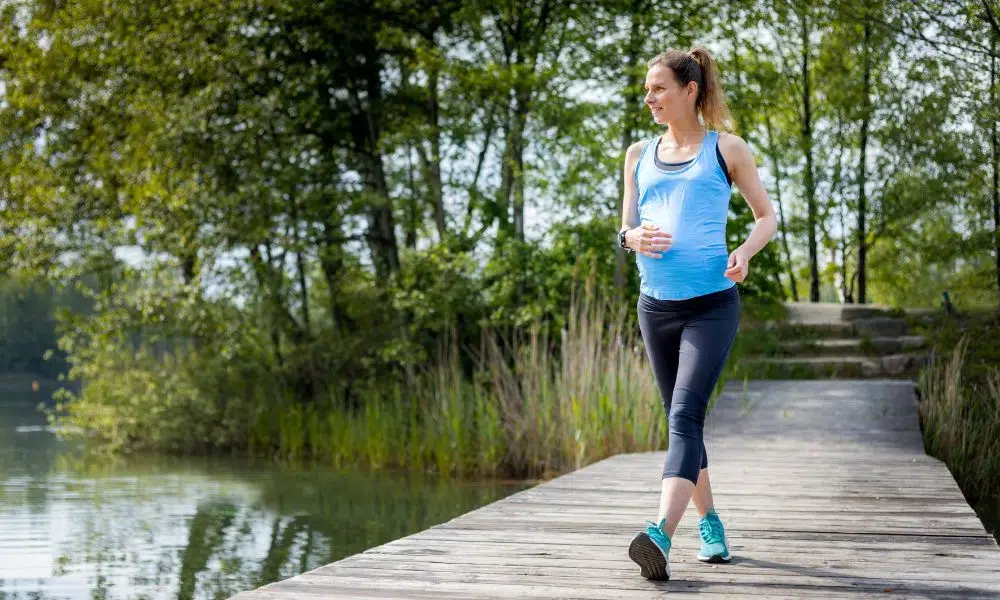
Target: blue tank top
column 692, row 204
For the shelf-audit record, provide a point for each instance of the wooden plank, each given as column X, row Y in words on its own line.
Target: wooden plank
column 518, row 586
column 524, row 554
column 596, row 572
column 823, row 487
column 829, row 526
column 801, row 541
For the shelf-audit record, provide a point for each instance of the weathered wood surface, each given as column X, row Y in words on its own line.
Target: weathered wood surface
column 823, row 486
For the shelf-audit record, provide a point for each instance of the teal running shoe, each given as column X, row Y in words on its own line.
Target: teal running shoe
column 650, row 550
column 714, row 548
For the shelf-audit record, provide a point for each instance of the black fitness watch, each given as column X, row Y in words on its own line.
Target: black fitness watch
column 621, row 240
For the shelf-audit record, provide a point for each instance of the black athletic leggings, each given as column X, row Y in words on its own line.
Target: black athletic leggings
column 687, row 342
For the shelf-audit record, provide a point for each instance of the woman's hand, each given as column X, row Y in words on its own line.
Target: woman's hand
column 647, row 240
column 739, row 265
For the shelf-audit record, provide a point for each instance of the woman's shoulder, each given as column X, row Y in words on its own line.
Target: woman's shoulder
column 730, row 141
column 635, row 151
column 636, row 147
column 734, row 149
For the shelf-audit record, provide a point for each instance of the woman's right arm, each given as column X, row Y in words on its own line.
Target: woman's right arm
column 630, row 203
column 647, row 240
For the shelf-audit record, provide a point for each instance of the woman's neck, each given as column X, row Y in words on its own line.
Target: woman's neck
column 686, row 132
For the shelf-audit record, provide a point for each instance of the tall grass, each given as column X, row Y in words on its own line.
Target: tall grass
column 961, row 421
column 531, row 407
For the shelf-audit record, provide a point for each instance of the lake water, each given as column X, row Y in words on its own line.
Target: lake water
column 73, row 527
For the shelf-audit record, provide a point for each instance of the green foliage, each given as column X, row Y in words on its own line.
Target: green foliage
column 528, row 282
column 163, row 369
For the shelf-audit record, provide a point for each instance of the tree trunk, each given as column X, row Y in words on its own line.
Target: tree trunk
column 506, row 175
column 517, row 156
column 473, row 190
column 433, row 164
column 411, row 211
column 781, row 212
column 311, row 383
column 412, row 221
column 631, row 100
column 331, row 260
column 511, row 201
column 189, row 263
column 523, row 44
column 366, row 132
column 303, row 294
column 293, row 209
column 268, row 270
column 862, row 167
column 845, row 295
column 741, row 116
column 807, row 149
column 520, row 118
column 265, row 294
column 381, row 224
column 996, row 156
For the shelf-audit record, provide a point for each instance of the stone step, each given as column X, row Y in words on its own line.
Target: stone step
column 851, row 312
column 828, row 312
column 871, row 327
column 851, row 346
column 906, row 364
column 811, row 331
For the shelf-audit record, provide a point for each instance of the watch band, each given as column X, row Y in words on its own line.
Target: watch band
column 621, row 241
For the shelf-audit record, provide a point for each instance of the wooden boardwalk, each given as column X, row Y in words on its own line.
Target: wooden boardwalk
column 823, row 486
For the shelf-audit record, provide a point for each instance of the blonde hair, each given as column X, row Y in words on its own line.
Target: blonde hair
column 699, row 67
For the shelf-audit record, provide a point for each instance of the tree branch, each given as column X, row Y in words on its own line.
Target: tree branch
column 991, row 18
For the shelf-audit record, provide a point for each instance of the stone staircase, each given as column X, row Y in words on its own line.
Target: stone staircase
column 829, row 340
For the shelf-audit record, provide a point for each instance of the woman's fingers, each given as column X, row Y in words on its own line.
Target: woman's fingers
column 658, row 241
column 739, row 269
column 650, row 250
column 652, row 241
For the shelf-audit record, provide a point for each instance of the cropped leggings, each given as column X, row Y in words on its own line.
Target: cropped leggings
column 687, row 342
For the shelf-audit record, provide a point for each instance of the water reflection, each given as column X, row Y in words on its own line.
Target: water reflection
column 75, row 527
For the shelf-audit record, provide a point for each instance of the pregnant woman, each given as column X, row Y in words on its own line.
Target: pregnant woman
column 677, row 192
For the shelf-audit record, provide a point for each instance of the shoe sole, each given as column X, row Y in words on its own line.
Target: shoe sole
column 645, row 553
column 718, row 558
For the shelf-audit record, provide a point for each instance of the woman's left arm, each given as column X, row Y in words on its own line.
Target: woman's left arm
column 743, row 171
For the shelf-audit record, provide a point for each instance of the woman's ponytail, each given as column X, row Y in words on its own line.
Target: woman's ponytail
column 711, row 101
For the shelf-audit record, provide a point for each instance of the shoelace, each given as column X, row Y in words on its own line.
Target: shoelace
column 657, row 535
column 711, row 530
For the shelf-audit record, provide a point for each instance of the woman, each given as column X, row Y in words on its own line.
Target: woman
column 677, row 191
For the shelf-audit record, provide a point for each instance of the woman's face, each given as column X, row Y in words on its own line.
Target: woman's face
column 665, row 97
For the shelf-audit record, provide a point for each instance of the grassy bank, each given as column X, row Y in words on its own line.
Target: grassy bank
column 531, row 407
column 960, row 405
